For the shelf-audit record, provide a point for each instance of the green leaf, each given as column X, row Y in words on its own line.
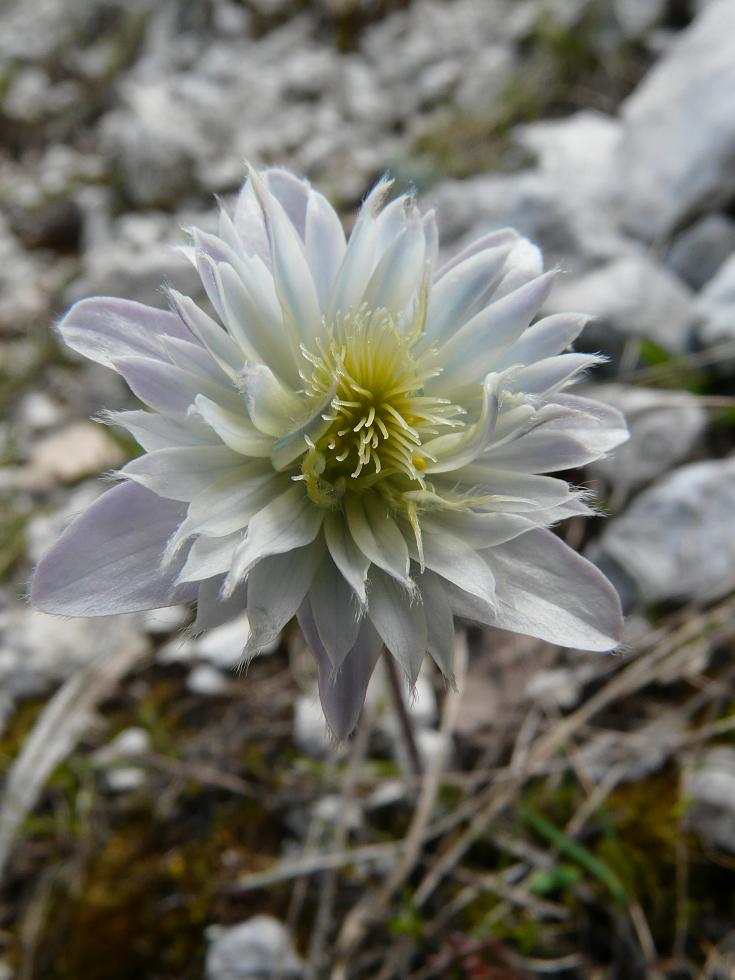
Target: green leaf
column 577, row 852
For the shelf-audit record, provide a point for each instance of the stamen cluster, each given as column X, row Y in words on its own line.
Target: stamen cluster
column 378, row 417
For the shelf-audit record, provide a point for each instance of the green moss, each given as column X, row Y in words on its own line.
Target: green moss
column 408, row 921
column 640, row 830
column 150, row 869
column 13, row 525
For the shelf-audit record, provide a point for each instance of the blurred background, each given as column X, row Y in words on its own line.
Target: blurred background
column 166, row 817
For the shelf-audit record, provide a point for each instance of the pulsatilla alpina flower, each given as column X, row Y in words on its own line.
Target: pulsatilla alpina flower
column 351, row 436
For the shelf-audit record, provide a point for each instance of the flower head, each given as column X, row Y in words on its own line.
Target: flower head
column 353, row 437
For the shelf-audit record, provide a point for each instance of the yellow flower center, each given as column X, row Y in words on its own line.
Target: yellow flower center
column 379, row 417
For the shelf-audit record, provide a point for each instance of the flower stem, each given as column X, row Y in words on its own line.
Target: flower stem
column 404, row 719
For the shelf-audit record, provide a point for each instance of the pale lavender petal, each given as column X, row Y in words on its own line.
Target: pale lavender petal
column 292, row 276
column 212, row 609
column 502, row 237
column 439, row 621
column 457, row 561
column 400, row 620
column 108, row 560
column 276, row 589
column 293, row 193
column 335, row 609
column 172, row 390
column 250, row 224
column 545, row 589
column 105, row 329
column 342, row 692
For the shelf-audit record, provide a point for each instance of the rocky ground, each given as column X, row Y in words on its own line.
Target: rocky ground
column 165, row 817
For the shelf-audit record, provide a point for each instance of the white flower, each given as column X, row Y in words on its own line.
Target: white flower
column 357, row 439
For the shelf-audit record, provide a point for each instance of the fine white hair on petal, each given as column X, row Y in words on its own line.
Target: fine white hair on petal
column 346, row 435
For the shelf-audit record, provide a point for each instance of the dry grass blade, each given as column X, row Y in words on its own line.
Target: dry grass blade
column 371, row 907
column 54, row 735
column 634, row 675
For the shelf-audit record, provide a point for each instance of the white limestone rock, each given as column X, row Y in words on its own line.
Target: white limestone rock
column 678, row 147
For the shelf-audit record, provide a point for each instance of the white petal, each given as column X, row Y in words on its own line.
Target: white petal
column 431, row 239
column 357, row 263
column 481, row 530
column 255, row 320
column 348, row 558
column 459, row 294
column 325, row 245
column 523, row 490
column 398, row 275
column 400, row 622
column 378, row 536
column 234, row 428
column 153, row 431
column 474, row 350
column 220, row 345
column 552, row 372
column 273, row 408
column 289, row 447
column 290, row 521
column 502, row 236
column 249, row 224
column 228, row 503
column 180, row 473
column 551, row 335
column 292, row 193
column 458, row 449
column 207, row 269
column 169, row 389
column 389, row 224
column 195, row 358
column 563, row 443
column 601, row 423
column 525, row 262
column 209, row 557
